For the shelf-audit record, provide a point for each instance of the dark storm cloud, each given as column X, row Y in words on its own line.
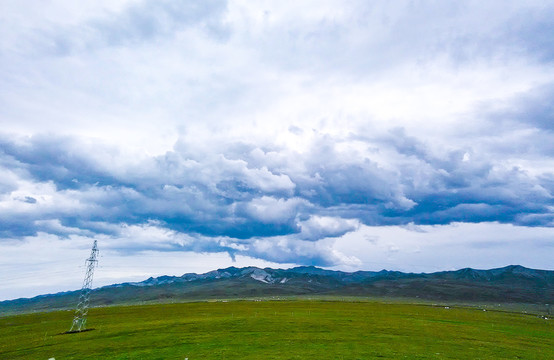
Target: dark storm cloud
column 477, row 190
column 330, row 179
column 186, row 195
column 243, row 192
column 58, row 159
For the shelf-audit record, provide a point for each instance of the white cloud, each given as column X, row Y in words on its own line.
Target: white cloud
column 318, row 227
column 271, row 210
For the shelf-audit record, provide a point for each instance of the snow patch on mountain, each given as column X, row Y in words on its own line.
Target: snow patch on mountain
column 263, row 276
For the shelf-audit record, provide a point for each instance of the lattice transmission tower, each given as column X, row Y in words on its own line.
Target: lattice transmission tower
column 80, row 318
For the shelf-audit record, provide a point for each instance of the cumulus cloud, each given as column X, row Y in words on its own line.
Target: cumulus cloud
column 319, row 227
column 322, row 192
column 271, row 210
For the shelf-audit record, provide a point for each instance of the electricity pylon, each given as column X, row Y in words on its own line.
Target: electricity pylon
column 80, row 318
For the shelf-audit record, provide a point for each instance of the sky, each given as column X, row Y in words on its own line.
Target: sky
column 186, row 136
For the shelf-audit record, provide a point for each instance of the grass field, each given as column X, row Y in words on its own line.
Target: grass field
column 280, row 330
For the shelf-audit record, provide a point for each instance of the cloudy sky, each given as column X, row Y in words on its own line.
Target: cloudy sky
column 187, row 136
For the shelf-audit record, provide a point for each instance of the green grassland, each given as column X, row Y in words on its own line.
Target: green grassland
column 298, row 329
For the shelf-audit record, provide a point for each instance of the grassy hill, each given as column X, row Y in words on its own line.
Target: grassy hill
column 280, row 330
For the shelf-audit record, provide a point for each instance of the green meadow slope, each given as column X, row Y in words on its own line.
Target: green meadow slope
column 280, row 330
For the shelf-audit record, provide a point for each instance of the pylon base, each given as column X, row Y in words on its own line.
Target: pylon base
column 76, row 331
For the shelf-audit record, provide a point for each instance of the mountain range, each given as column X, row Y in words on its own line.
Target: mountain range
column 510, row 284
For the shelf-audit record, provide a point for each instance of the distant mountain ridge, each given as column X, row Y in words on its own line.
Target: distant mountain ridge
column 512, row 283
column 512, row 273
column 266, row 275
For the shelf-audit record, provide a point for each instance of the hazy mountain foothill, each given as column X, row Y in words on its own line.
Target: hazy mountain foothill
column 511, row 284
